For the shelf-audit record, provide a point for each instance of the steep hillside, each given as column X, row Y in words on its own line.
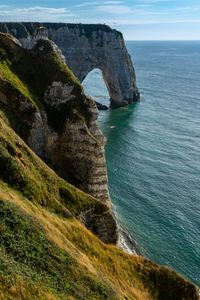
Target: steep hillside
column 26, row 75
column 46, row 252
column 46, row 106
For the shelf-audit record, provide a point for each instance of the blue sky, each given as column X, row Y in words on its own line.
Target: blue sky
column 137, row 19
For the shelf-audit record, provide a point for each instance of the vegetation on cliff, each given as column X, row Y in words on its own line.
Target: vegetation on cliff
column 45, row 250
column 24, row 78
column 46, row 253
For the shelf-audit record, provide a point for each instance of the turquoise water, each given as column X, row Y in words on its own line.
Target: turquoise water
column 153, row 153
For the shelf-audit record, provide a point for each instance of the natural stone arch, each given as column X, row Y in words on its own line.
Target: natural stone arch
column 86, row 47
column 95, row 87
column 110, row 79
column 98, row 46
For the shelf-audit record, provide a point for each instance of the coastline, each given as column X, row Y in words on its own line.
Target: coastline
column 126, row 241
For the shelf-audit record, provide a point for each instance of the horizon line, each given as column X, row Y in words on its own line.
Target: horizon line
column 157, row 40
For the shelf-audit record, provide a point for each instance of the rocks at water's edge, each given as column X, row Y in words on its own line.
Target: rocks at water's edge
column 101, row 106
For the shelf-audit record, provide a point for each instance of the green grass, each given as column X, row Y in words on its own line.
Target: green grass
column 26, row 252
column 22, row 170
column 14, row 81
column 30, row 68
column 22, row 78
column 21, row 104
column 45, row 249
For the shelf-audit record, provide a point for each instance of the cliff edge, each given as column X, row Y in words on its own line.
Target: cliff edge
column 54, row 117
column 46, row 249
column 86, row 47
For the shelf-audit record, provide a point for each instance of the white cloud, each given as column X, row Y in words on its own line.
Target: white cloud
column 138, row 10
column 114, row 2
column 155, row 1
column 188, row 9
column 96, row 3
column 41, row 10
column 34, row 13
column 87, row 4
column 114, row 9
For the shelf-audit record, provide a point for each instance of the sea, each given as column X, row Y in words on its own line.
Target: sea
column 153, row 153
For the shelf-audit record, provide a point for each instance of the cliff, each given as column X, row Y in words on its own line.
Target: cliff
column 53, row 115
column 86, row 47
column 46, row 250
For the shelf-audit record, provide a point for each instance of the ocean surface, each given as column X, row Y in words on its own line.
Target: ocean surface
column 153, row 153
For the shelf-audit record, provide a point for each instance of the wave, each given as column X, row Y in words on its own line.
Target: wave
column 127, row 243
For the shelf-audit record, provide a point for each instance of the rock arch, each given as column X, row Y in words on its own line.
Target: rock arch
column 98, row 46
column 86, row 47
column 95, row 87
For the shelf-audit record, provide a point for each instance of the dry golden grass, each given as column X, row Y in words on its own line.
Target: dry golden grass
column 21, row 290
column 119, row 270
column 108, row 263
column 33, row 189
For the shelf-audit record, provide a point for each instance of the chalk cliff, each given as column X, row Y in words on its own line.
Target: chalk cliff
column 86, row 47
column 55, row 118
column 45, row 251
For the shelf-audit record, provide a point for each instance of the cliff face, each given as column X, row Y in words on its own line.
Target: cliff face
column 45, row 251
column 55, row 118
column 74, row 147
column 86, row 47
column 61, row 122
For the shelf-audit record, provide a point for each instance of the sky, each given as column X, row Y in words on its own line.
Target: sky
column 137, row 19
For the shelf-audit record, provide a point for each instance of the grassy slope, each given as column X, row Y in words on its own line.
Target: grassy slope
column 45, row 252
column 22, row 79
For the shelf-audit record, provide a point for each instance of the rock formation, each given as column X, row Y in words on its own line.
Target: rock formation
column 62, row 128
column 86, row 47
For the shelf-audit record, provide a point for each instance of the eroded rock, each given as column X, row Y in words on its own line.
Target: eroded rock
column 60, row 126
column 86, row 47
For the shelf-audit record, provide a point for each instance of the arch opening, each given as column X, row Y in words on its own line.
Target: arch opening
column 95, row 87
